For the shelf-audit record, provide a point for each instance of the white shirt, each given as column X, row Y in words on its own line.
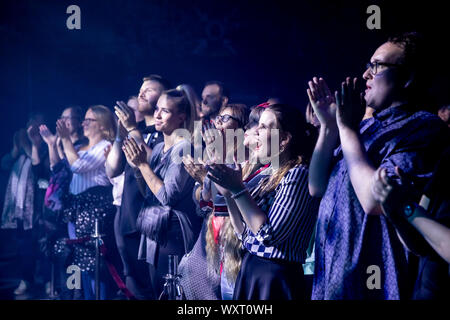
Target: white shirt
column 89, row 169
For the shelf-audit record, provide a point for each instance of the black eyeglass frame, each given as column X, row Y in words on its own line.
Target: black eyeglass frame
column 373, row 67
column 227, row 117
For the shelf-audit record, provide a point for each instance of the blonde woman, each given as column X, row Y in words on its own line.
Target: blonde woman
column 90, row 191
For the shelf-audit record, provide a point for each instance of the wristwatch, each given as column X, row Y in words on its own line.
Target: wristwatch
column 411, row 210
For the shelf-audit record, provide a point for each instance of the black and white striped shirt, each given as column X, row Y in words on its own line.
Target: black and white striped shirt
column 292, row 214
column 89, row 169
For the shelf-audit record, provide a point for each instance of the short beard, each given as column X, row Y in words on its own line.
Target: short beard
column 147, row 110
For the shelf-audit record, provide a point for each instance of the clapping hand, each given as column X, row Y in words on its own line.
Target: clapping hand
column 322, row 101
column 33, row 135
column 196, row 171
column 391, row 195
column 125, row 115
column 46, row 135
column 135, row 154
column 62, row 130
column 210, row 134
column 351, row 105
column 228, row 178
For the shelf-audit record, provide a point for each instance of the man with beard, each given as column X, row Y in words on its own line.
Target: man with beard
column 214, row 97
column 127, row 236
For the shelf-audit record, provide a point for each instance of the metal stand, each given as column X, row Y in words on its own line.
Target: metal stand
column 52, row 282
column 98, row 241
column 172, row 287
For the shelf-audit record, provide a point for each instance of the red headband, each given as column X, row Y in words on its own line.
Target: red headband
column 263, row 105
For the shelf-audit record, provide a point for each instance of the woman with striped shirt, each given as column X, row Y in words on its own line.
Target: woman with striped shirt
column 276, row 218
column 90, row 191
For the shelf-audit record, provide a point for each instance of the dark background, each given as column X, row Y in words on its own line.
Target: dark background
column 258, row 48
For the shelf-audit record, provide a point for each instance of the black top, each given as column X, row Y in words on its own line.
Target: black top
column 433, row 281
column 132, row 198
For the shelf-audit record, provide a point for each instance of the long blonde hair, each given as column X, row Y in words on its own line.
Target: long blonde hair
column 232, row 252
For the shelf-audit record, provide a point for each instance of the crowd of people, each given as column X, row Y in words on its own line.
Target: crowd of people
column 245, row 197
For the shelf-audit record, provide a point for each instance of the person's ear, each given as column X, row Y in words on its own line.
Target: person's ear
column 224, row 101
column 409, row 80
column 285, row 139
column 182, row 117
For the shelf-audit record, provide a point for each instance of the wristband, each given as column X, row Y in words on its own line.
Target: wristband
column 132, row 130
column 238, row 194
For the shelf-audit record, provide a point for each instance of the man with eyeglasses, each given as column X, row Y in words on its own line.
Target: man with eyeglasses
column 358, row 252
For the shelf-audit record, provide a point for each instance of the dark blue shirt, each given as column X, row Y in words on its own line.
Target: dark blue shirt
column 348, row 241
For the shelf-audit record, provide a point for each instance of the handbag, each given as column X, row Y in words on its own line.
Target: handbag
column 153, row 222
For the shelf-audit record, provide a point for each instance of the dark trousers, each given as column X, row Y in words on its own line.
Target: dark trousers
column 135, row 271
column 269, row 279
column 27, row 251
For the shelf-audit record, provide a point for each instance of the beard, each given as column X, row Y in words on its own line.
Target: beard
column 146, row 107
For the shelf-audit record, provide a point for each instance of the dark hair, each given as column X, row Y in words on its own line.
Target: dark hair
column 240, row 111
column 223, row 90
column 184, row 105
column 77, row 113
column 253, row 117
column 162, row 81
column 292, row 120
column 413, row 60
column 36, row 118
column 300, row 147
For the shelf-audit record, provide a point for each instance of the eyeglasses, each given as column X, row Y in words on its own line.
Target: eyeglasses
column 373, row 67
column 225, row 118
column 89, row 120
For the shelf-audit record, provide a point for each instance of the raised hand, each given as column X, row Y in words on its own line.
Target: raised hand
column 196, row 171
column 33, row 135
column 210, row 134
column 62, row 130
column 135, row 154
column 226, row 177
column 322, row 101
column 351, row 105
column 391, row 195
column 125, row 115
column 46, row 135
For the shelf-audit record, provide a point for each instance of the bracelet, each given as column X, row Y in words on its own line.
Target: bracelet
column 238, row 194
column 132, row 129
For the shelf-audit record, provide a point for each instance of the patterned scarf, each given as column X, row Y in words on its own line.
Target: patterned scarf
column 19, row 196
